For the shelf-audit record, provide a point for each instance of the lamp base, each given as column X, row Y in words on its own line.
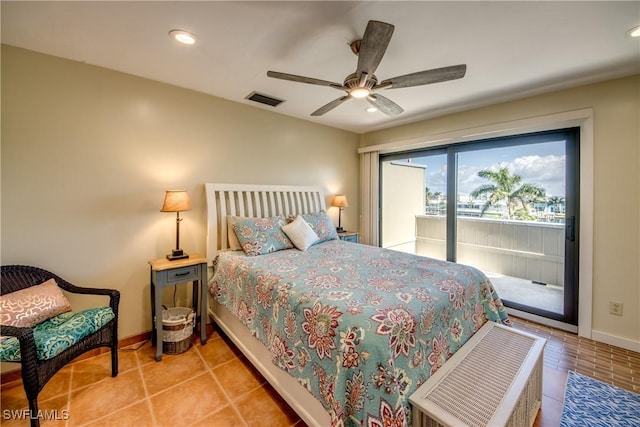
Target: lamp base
column 339, row 230
column 177, row 254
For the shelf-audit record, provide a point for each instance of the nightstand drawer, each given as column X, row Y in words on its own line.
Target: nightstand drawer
column 184, row 274
column 349, row 236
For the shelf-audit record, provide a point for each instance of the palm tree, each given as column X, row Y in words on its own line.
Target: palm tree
column 555, row 202
column 509, row 188
column 432, row 196
column 429, row 208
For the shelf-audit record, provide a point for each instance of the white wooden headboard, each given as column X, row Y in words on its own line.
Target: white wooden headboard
column 258, row 201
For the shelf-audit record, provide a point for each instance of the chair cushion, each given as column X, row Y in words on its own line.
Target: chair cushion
column 55, row 335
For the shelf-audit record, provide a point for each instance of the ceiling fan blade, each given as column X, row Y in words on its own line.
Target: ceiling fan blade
column 302, row 79
column 385, row 105
column 425, row 77
column 330, row 106
column 374, row 44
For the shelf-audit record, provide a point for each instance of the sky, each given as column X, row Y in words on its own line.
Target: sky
column 539, row 164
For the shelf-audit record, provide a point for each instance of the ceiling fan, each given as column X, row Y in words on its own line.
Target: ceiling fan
column 363, row 83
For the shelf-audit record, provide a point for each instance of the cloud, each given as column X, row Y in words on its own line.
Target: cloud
column 547, row 172
column 437, row 179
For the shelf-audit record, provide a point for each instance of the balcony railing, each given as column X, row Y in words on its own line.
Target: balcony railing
column 531, row 250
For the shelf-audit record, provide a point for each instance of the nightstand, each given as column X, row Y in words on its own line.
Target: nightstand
column 349, row 236
column 166, row 273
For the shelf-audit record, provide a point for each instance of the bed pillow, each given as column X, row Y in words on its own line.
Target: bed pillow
column 28, row 307
column 321, row 224
column 232, row 239
column 300, row 233
column 259, row 236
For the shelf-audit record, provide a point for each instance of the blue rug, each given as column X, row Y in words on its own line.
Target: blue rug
column 589, row 402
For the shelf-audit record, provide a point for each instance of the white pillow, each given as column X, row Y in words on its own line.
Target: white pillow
column 300, row 233
column 232, row 238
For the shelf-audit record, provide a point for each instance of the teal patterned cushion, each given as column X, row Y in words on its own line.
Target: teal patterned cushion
column 322, row 225
column 57, row 334
column 259, row 236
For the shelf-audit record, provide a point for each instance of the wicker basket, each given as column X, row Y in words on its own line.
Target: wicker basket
column 177, row 328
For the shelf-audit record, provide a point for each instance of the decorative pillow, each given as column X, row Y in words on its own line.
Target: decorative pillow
column 28, row 307
column 234, row 244
column 259, row 236
column 321, row 224
column 300, row 233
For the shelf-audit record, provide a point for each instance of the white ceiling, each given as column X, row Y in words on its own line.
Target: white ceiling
column 512, row 49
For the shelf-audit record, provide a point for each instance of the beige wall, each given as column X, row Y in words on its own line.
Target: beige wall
column 616, row 194
column 87, row 154
column 403, row 198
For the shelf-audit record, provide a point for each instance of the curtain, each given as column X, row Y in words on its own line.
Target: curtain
column 370, row 197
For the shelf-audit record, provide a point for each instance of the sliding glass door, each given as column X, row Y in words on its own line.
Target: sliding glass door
column 507, row 206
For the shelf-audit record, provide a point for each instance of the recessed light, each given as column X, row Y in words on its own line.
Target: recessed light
column 371, row 110
column 183, row 36
column 634, row 32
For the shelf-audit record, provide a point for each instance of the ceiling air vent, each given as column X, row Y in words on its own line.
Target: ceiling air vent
column 264, row 99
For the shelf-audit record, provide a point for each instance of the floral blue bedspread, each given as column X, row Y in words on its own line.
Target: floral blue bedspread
column 360, row 327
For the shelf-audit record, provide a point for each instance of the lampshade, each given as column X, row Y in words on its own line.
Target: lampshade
column 340, row 201
column 176, row 201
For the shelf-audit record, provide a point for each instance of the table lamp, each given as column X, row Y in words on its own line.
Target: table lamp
column 176, row 201
column 340, row 201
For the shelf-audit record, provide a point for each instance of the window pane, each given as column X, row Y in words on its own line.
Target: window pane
column 414, row 205
column 431, row 227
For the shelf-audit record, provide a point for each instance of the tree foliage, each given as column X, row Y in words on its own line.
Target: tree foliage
column 556, row 202
column 508, row 188
column 432, row 196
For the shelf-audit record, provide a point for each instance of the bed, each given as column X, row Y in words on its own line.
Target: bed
column 344, row 332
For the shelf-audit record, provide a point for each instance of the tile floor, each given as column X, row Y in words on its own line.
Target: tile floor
column 213, row 385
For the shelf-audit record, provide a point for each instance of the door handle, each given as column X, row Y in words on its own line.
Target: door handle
column 570, row 229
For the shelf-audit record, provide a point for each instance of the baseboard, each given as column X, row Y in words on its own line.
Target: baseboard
column 616, row 341
column 542, row 320
column 15, row 375
column 602, row 337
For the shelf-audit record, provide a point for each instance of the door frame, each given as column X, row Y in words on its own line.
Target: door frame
column 571, row 285
column 569, row 139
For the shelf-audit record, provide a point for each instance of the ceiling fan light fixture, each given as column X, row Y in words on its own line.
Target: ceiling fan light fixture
column 182, row 36
column 360, row 92
column 634, row 32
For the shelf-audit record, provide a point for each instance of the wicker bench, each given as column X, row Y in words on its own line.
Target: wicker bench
column 495, row 379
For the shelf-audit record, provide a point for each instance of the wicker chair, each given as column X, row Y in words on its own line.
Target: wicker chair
column 35, row 371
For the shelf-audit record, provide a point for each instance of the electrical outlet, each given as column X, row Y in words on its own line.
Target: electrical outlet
column 615, row 308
